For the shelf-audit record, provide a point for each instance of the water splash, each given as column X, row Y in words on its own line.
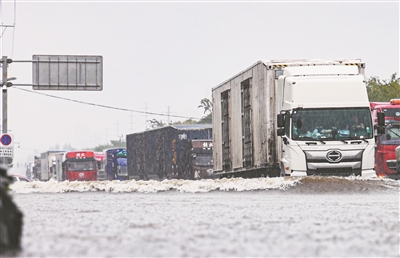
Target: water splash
column 287, row 184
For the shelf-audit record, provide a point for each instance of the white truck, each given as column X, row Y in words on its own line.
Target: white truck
column 294, row 118
column 59, row 165
column 48, row 165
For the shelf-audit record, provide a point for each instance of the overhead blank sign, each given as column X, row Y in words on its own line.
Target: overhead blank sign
column 67, row 72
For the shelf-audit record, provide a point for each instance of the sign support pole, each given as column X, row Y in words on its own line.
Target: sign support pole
column 5, row 64
column 4, row 89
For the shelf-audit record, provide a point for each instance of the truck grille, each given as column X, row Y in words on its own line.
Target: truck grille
column 334, row 172
column 321, row 162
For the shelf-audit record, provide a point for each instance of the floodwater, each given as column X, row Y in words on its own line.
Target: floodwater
column 264, row 217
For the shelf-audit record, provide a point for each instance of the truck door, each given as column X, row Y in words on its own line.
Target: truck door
column 290, row 150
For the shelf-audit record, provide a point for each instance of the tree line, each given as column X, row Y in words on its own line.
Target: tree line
column 205, row 104
column 383, row 90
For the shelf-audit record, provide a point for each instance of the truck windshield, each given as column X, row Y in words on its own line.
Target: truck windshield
column 203, row 160
column 391, row 135
column 76, row 166
column 392, row 113
column 331, row 124
column 122, row 161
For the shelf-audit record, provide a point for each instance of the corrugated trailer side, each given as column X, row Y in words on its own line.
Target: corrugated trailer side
column 163, row 152
column 147, row 154
column 244, row 115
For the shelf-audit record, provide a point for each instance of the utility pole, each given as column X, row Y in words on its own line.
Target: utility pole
column 4, row 84
column 4, row 88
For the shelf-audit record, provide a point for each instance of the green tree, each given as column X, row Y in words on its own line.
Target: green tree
column 154, row 123
column 206, row 119
column 188, row 121
column 113, row 144
column 383, row 90
column 207, row 105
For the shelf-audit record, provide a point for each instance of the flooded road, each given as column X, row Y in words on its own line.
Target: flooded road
column 266, row 217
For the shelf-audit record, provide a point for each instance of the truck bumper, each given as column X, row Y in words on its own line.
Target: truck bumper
column 368, row 173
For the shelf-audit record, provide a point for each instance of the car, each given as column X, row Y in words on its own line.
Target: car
column 20, row 178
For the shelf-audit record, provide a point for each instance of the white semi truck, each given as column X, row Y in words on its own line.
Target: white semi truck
column 294, row 118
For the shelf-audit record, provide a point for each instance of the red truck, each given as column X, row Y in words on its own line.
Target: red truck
column 202, row 160
column 80, row 166
column 387, row 142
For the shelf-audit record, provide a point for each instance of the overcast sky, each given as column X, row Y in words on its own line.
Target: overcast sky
column 166, row 56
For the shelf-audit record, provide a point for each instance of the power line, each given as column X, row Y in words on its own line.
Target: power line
column 103, row 106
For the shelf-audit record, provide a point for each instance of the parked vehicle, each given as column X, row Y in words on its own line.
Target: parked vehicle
column 20, row 178
column 169, row 153
column 385, row 157
column 116, row 164
column 80, row 166
column 101, row 160
column 309, row 104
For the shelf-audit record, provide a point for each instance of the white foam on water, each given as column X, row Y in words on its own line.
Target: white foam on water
column 152, row 186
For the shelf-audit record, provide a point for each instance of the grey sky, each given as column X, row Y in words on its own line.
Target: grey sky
column 168, row 55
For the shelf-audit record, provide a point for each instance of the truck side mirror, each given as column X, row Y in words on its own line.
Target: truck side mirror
column 381, row 130
column 280, row 131
column 381, row 119
column 281, row 120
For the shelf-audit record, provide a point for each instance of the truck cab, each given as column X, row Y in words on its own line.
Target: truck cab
column 116, row 164
column 80, row 166
column 391, row 110
column 202, row 159
column 386, row 143
column 325, row 121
